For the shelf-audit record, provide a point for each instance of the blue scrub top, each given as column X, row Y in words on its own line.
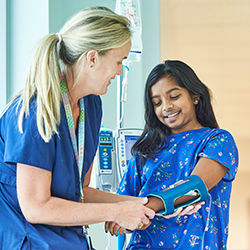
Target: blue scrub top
column 56, row 156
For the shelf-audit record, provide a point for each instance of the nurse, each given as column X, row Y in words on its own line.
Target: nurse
column 49, row 136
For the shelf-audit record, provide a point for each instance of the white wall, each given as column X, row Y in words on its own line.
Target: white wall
column 27, row 22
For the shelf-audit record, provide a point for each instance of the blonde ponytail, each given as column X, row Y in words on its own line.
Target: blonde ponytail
column 43, row 81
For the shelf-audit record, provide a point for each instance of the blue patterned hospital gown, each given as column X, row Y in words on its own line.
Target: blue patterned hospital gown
column 175, row 163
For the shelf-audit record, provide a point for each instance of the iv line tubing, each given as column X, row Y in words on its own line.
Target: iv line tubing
column 118, row 101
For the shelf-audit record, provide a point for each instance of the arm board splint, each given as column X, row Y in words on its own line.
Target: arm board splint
column 193, row 186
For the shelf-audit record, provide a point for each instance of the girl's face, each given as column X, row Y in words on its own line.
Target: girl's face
column 174, row 106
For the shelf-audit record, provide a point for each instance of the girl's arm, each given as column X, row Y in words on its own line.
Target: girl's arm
column 210, row 171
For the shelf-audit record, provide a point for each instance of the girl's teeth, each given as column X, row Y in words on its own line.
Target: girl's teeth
column 172, row 115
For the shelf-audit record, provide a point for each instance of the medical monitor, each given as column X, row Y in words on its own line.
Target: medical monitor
column 129, row 142
column 126, row 138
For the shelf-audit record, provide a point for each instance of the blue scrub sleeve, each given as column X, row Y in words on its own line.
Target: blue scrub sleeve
column 222, row 148
column 27, row 147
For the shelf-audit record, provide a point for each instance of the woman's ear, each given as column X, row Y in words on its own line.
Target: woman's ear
column 91, row 58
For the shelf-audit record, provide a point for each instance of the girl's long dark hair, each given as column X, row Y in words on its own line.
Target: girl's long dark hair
column 155, row 133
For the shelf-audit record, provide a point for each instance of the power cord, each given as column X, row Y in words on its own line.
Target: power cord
column 207, row 223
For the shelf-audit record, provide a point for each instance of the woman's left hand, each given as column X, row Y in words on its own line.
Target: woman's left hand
column 184, row 211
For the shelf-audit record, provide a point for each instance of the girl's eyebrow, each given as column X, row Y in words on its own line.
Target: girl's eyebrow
column 169, row 91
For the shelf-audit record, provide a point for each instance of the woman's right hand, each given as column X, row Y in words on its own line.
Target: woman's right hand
column 133, row 214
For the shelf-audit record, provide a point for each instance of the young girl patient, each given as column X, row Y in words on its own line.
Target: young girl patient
column 181, row 137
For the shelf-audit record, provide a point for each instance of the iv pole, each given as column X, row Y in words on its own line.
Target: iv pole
column 132, row 9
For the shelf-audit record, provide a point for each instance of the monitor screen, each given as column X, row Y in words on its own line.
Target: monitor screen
column 129, row 142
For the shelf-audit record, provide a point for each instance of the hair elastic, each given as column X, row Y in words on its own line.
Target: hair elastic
column 58, row 47
column 59, row 37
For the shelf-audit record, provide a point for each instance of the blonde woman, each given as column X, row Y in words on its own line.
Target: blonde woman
column 49, row 135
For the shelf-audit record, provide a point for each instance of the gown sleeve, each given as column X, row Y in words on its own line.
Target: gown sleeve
column 27, row 147
column 220, row 146
column 131, row 180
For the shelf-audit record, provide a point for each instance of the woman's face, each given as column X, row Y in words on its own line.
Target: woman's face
column 106, row 68
column 174, row 106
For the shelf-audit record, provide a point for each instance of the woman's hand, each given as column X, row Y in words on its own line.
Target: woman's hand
column 133, row 214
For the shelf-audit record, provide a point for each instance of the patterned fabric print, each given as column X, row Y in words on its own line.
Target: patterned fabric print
column 81, row 138
column 69, row 117
column 175, row 163
column 82, row 115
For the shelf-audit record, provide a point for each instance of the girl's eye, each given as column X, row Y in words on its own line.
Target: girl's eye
column 175, row 97
column 156, row 104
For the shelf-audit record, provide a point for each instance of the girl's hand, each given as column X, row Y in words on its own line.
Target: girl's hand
column 185, row 211
column 113, row 228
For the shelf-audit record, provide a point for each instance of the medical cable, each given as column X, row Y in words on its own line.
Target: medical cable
column 108, row 247
column 207, row 223
column 124, row 92
column 125, row 83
